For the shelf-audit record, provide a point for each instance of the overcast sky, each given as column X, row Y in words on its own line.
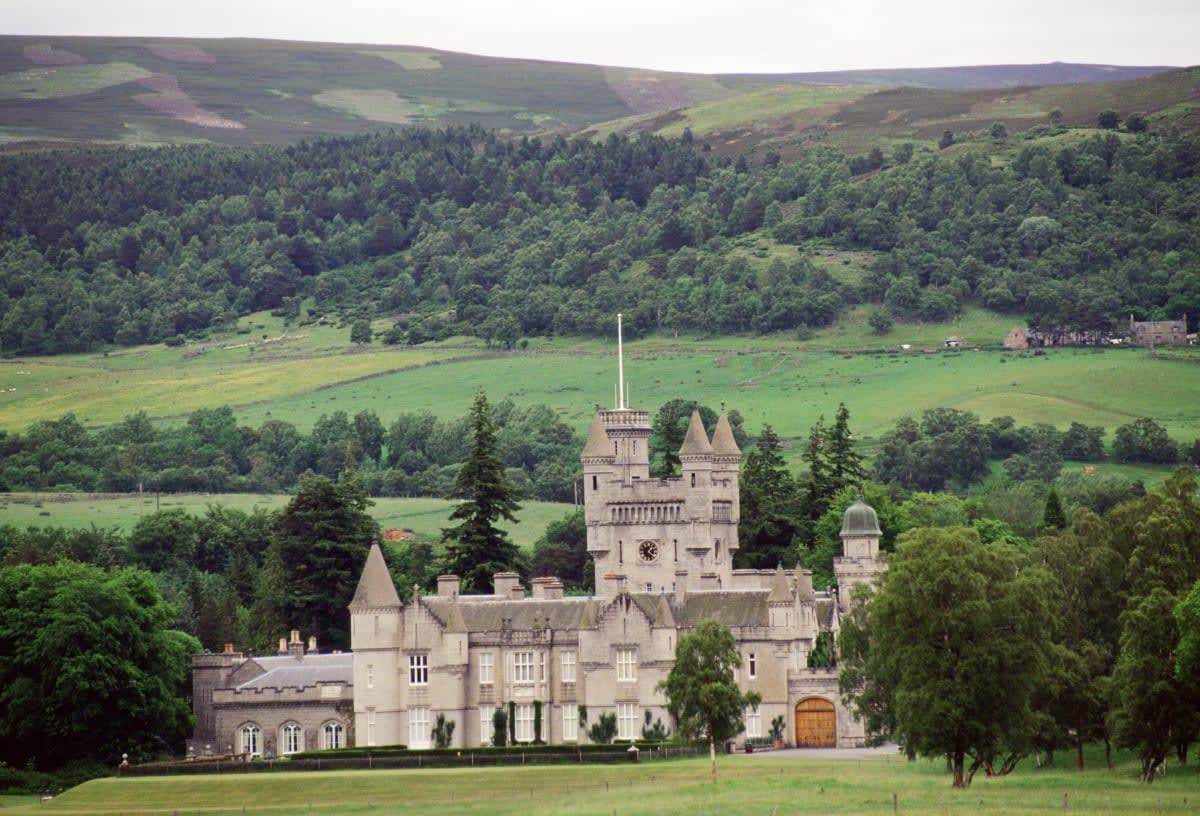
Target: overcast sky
column 704, row 36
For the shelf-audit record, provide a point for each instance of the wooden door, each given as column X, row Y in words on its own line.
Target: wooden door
column 816, row 724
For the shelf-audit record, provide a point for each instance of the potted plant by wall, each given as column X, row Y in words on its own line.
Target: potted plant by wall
column 777, row 732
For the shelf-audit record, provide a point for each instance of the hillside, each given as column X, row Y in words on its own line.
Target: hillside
column 139, row 91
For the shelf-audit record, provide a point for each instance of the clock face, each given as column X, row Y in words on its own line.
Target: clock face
column 648, row 550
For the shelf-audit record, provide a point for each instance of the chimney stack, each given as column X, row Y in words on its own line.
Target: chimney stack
column 447, row 586
column 503, row 583
column 312, row 643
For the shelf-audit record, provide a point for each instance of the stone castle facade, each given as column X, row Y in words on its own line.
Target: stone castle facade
column 663, row 552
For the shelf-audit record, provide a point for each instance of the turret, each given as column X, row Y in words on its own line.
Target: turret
column 860, row 562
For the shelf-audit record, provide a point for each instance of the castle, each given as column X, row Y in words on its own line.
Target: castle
column 663, row 552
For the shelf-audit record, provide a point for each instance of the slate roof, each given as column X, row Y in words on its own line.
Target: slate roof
column 288, row 671
column 597, row 441
column 375, row 587
column 487, row 615
column 696, row 442
column 723, row 443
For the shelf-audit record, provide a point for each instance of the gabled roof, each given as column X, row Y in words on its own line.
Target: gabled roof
column 493, row 615
column 696, row 442
column 597, row 440
column 723, row 443
column 288, row 671
column 375, row 587
column 781, row 587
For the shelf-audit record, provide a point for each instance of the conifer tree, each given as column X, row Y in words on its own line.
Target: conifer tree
column 1053, row 518
column 768, row 504
column 817, row 487
column 845, row 463
column 476, row 548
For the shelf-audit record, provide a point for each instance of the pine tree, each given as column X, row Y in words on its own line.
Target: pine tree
column 768, row 507
column 817, row 488
column 1053, row 518
column 476, row 548
column 845, row 463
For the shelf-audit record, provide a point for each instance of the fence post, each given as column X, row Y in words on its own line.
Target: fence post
column 895, row 803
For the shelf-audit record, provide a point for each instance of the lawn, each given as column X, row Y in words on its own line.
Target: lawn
column 423, row 516
column 759, row 784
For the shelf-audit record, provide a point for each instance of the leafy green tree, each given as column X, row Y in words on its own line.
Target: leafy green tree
column 956, row 645
column 361, row 333
column 998, row 131
column 165, row 540
column 1136, row 123
column 476, row 548
column 880, row 321
column 701, row 693
column 321, row 538
column 1144, row 440
column 946, row 140
column 92, row 667
column 1108, row 119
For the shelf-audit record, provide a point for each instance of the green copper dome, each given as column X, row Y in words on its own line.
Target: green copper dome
column 860, row 520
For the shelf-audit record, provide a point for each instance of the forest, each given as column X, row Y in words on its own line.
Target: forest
column 462, row 231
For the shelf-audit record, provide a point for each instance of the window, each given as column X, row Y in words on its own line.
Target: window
column 753, row 723
column 370, row 726
column 523, row 667
column 595, row 483
column 523, row 730
column 627, row 721
column 418, row 670
column 541, row 661
column 752, row 664
column 419, row 733
column 370, row 676
column 570, row 714
column 487, row 669
column 626, row 665
column 291, row 739
column 722, row 511
column 251, row 744
column 486, row 726
column 568, row 667
column 331, row 735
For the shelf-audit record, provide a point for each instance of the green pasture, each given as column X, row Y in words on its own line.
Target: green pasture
column 408, row 60
column 423, row 516
column 56, row 81
column 755, row 784
column 756, row 108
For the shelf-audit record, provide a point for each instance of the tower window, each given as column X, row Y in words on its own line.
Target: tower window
column 595, row 483
column 693, row 480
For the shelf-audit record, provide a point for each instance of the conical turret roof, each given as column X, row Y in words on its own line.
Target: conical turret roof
column 375, row 587
column 597, row 441
column 723, row 443
column 696, row 442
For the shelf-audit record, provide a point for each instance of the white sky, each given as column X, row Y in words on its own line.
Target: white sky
column 703, row 36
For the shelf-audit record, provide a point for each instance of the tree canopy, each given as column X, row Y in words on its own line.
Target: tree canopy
column 701, row 692
column 476, row 549
column 92, row 666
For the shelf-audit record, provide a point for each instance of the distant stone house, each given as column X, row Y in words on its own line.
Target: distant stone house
column 952, row 342
column 1158, row 332
column 1017, row 338
column 270, row 706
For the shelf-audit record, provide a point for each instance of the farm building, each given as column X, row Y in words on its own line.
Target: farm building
column 1158, row 332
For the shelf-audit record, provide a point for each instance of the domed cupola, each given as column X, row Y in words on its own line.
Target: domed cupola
column 860, row 520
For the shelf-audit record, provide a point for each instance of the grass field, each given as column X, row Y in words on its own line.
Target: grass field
column 423, row 516
column 758, row 784
column 313, row 370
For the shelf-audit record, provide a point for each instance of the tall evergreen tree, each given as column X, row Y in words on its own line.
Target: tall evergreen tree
column 323, row 535
column 476, row 548
column 1053, row 517
column 845, row 463
column 768, row 507
column 817, row 486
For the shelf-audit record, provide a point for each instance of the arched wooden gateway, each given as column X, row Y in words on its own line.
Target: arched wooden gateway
column 816, row 724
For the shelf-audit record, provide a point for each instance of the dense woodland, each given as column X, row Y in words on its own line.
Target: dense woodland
column 462, row 231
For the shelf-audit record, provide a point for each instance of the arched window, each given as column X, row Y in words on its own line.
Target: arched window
column 291, row 739
column 249, row 735
column 331, row 735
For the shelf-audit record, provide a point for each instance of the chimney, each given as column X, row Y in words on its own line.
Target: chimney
column 283, row 645
column 554, row 591
column 503, row 583
column 614, row 584
column 539, row 586
column 312, row 643
column 447, row 586
column 228, row 648
column 516, row 591
column 295, row 646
